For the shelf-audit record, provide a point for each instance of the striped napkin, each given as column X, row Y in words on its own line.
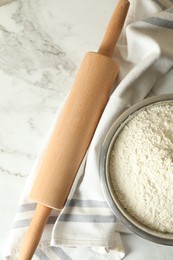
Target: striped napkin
column 86, row 228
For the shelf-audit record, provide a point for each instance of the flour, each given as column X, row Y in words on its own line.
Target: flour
column 141, row 166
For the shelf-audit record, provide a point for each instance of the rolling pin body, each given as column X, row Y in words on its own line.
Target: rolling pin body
column 74, row 129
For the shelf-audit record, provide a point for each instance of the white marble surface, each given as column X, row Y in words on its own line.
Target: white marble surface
column 41, row 45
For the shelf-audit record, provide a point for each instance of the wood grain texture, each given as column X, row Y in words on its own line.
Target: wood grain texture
column 74, row 130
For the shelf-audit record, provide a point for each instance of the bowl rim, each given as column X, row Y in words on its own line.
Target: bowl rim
column 124, row 217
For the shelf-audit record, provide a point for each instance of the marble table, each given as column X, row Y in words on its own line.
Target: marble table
column 41, row 46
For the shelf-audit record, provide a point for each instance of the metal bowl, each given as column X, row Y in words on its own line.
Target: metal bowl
column 122, row 215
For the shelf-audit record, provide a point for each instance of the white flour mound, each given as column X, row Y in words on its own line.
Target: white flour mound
column 141, row 167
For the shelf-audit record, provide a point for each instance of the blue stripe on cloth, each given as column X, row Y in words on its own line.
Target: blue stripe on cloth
column 59, row 252
column 160, row 22
column 87, row 218
column 52, row 220
column 87, row 203
column 22, row 223
column 71, row 218
column 26, row 222
column 41, row 255
column 27, row 207
column 70, row 203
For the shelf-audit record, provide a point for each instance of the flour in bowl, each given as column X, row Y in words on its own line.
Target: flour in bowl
column 141, row 166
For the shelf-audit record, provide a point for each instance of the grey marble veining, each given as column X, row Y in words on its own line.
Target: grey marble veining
column 31, row 51
column 31, row 60
column 3, row 2
column 35, row 75
column 41, row 46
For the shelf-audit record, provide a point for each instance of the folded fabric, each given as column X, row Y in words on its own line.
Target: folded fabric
column 86, row 228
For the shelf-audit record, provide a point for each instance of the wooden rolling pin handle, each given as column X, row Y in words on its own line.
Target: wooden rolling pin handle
column 114, row 28
column 34, row 232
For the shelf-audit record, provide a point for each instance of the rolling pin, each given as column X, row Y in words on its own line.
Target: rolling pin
column 73, row 131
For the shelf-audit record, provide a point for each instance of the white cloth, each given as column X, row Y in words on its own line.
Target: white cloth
column 86, row 228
